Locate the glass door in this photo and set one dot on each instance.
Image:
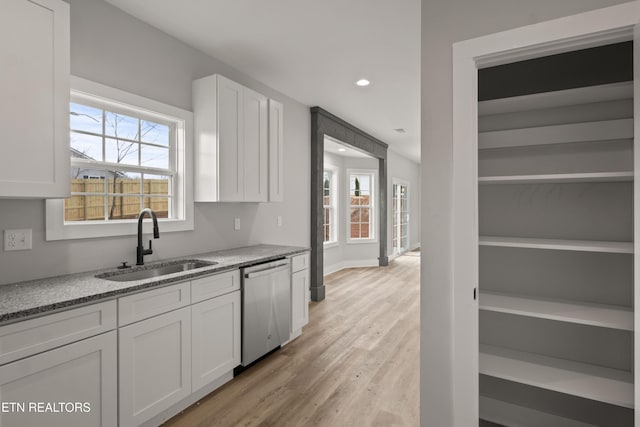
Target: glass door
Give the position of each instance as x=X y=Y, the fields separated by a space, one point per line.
x=400 y=218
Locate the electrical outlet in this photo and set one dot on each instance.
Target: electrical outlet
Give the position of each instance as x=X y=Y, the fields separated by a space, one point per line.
x=236 y=224
x=279 y=220
x=17 y=240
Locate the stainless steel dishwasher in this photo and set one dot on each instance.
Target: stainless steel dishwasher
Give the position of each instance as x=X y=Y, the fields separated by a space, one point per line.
x=266 y=308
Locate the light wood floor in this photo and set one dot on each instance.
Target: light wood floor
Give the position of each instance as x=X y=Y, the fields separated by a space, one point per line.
x=356 y=363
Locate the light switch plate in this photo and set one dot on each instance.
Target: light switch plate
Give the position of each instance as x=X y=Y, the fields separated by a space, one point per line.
x=236 y=224
x=17 y=240
x=279 y=220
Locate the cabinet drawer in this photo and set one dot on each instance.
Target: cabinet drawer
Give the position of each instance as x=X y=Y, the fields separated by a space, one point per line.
x=212 y=286
x=299 y=262
x=151 y=303
x=33 y=336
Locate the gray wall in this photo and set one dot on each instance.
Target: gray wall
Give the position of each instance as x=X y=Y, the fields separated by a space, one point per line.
x=443 y=23
x=115 y=49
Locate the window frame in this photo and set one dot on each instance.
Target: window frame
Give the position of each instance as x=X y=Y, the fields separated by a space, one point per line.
x=115 y=100
x=373 y=203
x=334 y=204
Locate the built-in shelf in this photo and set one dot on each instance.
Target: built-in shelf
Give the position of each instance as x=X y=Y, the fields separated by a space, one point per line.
x=608 y=130
x=555 y=99
x=509 y=414
x=606 y=316
x=607 y=385
x=556 y=244
x=559 y=178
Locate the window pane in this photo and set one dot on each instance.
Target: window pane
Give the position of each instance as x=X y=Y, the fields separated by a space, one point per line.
x=86 y=173
x=155 y=133
x=85 y=118
x=122 y=206
x=85 y=146
x=355 y=231
x=86 y=182
x=364 y=231
x=124 y=152
x=364 y=214
x=84 y=208
x=156 y=184
x=160 y=205
x=157 y=157
x=355 y=215
x=121 y=126
x=124 y=183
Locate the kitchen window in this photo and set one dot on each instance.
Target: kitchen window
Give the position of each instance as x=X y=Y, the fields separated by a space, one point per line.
x=361 y=212
x=127 y=153
x=329 y=205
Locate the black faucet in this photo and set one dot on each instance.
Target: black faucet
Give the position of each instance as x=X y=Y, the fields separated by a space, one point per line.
x=141 y=251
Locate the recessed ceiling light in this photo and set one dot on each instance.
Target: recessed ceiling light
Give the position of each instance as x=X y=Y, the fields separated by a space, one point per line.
x=363 y=82
x=400 y=130
x=342 y=149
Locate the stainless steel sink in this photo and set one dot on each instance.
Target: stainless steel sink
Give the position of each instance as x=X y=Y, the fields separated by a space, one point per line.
x=154 y=270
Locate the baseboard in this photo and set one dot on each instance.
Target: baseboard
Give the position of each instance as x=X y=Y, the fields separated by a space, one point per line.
x=349 y=264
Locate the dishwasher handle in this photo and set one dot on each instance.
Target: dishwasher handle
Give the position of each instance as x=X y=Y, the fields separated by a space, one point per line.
x=264 y=272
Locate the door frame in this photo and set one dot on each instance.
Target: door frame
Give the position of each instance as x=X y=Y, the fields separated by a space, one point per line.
x=324 y=123
x=581 y=31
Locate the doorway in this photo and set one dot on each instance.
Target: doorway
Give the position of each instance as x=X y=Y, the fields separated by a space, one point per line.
x=325 y=124
x=476 y=185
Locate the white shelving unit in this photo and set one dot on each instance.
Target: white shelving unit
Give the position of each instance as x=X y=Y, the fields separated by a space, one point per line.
x=508 y=414
x=523 y=141
x=558 y=245
x=606 y=130
x=556 y=99
x=602 y=315
x=593 y=382
x=559 y=178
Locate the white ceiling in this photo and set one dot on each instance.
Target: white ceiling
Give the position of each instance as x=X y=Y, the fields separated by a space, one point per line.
x=313 y=51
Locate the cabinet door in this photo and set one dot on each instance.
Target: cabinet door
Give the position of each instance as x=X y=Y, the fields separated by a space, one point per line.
x=216 y=338
x=299 y=299
x=276 y=151
x=256 y=147
x=82 y=375
x=155 y=365
x=230 y=140
x=34 y=99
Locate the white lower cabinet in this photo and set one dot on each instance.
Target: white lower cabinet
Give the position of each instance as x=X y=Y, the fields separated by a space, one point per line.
x=299 y=299
x=216 y=338
x=299 y=293
x=72 y=385
x=155 y=365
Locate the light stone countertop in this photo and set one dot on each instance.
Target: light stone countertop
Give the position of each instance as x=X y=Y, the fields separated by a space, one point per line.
x=25 y=299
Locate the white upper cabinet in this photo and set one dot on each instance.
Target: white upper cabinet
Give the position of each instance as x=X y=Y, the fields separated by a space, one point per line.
x=231 y=137
x=34 y=99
